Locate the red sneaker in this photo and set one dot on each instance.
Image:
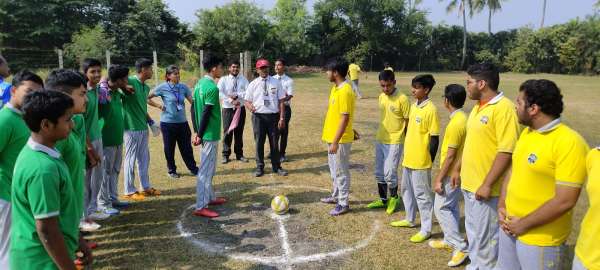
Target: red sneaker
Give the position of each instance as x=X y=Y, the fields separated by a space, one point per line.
x=218 y=201
x=205 y=212
x=78 y=262
x=92 y=244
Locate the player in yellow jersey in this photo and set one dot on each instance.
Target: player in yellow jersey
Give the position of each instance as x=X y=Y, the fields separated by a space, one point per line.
x=447 y=183
x=587 y=253
x=548 y=170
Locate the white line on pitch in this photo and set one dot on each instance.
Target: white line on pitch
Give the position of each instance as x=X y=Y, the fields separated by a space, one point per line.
x=285 y=243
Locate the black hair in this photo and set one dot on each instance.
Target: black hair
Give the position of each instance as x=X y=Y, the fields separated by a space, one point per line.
x=339 y=65
x=456 y=95
x=280 y=60
x=235 y=62
x=65 y=80
x=40 y=105
x=142 y=63
x=210 y=61
x=387 y=75
x=170 y=70
x=116 y=72
x=88 y=63
x=545 y=94
x=425 y=80
x=26 y=75
x=386 y=64
x=486 y=72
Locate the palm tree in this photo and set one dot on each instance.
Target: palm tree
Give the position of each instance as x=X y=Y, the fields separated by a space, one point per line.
x=493 y=7
x=543 y=14
x=462 y=6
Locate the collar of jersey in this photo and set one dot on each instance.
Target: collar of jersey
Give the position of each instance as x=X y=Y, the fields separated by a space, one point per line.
x=422 y=103
x=12 y=108
x=454 y=113
x=550 y=126
x=42 y=148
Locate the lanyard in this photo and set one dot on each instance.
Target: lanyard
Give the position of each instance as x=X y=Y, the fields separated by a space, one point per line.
x=175 y=92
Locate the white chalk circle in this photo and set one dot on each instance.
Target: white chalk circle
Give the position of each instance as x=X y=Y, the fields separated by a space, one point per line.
x=285 y=260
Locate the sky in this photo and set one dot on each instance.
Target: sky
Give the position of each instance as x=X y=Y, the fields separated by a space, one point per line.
x=514 y=13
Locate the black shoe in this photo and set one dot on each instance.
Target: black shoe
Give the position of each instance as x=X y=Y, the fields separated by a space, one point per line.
x=283 y=159
x=194 y=172
x=281 y=172
x=259 y=172
x=243 y=159
x=174 y=175
x=225 y=160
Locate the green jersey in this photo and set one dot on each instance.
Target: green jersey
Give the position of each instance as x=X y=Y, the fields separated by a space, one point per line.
x=73 y=153
x=206 y=92
x=91 y=115
x=112 y=115
x=13 y=137
x=135 y=106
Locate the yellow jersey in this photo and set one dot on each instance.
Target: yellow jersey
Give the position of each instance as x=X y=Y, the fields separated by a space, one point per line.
x=454 y=136
x=491 y=129
x=423 y=122
x=341 y=101
x=393 y=114
x=587 y=243
x=544 y=158
x=353 y=70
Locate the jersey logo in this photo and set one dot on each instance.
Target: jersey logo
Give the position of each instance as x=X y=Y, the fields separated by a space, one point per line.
x=418 y=119
x=484 y=120
x=532 y=158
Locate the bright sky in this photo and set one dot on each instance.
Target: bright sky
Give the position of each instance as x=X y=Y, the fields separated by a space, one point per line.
x=514 y=13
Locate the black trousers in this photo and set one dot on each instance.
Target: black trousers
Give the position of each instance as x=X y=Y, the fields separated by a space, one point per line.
x=237 y=135
x=265 y=125
x=180 y=134
x=283 y=140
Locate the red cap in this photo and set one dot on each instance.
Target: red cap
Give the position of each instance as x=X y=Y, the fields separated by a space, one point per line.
x=262 y=63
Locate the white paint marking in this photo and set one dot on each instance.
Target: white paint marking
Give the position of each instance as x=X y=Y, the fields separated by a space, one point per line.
x=285 y=243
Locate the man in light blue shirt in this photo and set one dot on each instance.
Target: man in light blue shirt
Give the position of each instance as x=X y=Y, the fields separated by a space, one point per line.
x=173 y=121
x=4 y=86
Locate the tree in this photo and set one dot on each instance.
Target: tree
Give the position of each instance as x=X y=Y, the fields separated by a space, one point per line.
x=291 y=23
x=462 y=6
x=493 y=7
x=232 y=28
x=89 y=43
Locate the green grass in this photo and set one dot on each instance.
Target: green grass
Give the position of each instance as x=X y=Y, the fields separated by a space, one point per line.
x=145 y=235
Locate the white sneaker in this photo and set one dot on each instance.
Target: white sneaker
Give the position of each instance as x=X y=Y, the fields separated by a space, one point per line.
x=111 y=211
x=98 y=215
x=88 y=226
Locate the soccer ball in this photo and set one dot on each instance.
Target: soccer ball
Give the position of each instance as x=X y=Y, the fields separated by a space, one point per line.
x=280 y=204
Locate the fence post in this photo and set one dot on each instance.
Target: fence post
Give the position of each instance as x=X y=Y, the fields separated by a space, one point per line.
x=107 y=59
x=155 y=58
x=248 y=63
x=242 y=64
x=60 y=59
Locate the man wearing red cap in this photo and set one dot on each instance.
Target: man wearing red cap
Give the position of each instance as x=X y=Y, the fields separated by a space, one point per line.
x=265 y=99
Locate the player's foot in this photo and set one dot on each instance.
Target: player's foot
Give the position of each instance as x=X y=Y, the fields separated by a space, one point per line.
x=439 y=244
x=205 y=212
x=151 y=192
x=420 y=237
x=194 y=172
x=339 y=210
x=283 y=159
x=98 y=215
x=136 y=196
x=243 y=159
x=259 y=172
x=391 y=205
x=218 y=201
x=88 y=226
x=402 y=223
x=120 y=204
x=111 y=211
x=281 y=172
x=376 y=204
x=174 y=175
x=225 y=160
x=458 y=257
x=329 y=200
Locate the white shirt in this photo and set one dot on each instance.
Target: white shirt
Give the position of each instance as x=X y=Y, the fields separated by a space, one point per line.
x=265 y=100
x=231 y=86
x=288 y=85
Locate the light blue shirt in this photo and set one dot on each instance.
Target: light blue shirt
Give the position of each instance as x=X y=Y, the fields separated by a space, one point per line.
x=4 y=92
x=173 y=97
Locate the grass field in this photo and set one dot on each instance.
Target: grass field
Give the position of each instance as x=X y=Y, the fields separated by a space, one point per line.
x=146 y=235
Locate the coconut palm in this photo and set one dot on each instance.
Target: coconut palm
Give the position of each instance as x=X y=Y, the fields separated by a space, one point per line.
x=543 y=14
x=493 y=7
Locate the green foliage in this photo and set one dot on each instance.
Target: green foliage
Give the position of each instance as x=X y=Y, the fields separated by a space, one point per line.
x=291 y=23
x=89 y=43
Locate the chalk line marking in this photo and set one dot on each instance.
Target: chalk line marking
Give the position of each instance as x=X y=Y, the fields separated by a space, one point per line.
x=287 y=259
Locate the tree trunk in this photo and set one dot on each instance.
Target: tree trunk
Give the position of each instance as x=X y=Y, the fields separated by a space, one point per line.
x=543 y=15
x=464 y=49
x=490 y=22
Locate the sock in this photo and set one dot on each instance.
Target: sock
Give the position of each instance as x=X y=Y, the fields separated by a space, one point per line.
x=382 y=188
x=394 y=192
